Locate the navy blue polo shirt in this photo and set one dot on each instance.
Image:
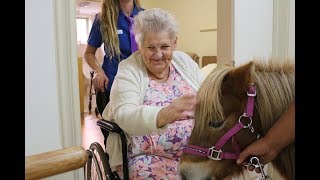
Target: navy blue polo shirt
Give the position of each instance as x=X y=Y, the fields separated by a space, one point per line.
x=110 y=67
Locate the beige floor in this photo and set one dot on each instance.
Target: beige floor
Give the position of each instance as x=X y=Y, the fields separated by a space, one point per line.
x=90 y=130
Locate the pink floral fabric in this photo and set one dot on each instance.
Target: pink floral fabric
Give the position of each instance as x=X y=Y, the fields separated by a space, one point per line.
x=156 y=156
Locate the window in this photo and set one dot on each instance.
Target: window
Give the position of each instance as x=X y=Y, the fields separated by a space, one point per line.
x=82 y=30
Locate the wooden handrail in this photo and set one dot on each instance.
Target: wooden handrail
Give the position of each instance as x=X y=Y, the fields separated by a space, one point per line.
x=55 y=162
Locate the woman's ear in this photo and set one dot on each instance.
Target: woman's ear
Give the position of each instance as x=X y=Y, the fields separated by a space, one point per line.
x=175 y=43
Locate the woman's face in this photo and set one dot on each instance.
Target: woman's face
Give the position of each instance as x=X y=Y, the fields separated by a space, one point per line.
x=157 y=50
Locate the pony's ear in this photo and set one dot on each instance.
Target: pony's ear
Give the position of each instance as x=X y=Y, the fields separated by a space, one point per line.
x=241 y=77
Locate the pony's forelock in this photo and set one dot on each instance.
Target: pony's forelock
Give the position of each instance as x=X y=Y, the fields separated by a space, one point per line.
x=209 y=107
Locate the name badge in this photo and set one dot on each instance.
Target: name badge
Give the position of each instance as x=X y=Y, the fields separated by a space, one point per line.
x=119 y=31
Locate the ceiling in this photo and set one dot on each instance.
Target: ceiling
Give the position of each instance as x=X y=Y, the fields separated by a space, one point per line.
x=88 y=7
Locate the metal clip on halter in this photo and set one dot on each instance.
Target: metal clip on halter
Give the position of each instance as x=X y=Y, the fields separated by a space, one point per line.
x=256 y=163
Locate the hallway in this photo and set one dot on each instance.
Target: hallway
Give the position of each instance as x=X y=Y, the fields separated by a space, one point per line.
x=90 y=130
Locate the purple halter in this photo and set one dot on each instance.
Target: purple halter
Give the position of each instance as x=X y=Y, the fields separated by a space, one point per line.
x=215 y=152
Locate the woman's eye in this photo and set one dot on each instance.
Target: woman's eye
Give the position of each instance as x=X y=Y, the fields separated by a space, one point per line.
x=165 y=47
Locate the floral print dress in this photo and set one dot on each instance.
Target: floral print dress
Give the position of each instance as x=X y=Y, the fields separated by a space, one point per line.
x=156 y=156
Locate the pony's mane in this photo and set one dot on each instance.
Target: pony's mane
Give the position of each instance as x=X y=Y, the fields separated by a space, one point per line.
x=275 y=84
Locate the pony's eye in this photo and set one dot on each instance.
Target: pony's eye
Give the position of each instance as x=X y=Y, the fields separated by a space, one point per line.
x=216 y=124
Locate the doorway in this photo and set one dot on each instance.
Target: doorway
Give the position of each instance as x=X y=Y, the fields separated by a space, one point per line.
x=86 y=11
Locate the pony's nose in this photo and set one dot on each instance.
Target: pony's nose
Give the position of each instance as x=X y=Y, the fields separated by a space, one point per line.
x=183 y=177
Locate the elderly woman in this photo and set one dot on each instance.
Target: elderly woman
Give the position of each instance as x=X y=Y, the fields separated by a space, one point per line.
x=153 y=98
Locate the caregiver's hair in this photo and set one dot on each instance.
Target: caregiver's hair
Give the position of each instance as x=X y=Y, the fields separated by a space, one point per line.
x=154 y=20
x=109 y=19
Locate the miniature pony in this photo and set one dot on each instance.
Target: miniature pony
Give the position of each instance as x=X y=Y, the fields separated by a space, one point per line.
x=223 y=101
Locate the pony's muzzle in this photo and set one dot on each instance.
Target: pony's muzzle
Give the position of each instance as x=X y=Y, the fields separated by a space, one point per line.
x=183 y=177
x=197 y=171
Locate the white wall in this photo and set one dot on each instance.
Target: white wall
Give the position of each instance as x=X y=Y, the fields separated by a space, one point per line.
x=52 y=108
x=284 y=29
x=292 y=33
x=42 y=128
x=252 y=30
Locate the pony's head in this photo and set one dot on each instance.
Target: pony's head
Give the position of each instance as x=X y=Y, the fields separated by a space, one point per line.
x=235 y=106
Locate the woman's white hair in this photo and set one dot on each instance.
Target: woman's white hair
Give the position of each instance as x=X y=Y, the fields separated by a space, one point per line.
x=154 y=20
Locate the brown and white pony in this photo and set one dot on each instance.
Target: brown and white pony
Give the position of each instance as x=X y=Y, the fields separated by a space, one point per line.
x=222 y=103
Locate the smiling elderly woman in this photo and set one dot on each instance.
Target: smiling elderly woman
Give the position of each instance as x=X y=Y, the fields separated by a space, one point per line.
x=153 y=98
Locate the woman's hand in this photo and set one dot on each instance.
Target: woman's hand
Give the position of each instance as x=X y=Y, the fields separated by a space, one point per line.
x=264 y=150
x=181 y=108
x=100 y=80
x=261 y=149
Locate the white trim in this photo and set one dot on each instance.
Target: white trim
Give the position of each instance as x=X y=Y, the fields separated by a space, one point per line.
x=225 y=31
x=67 y=75
x=291 y=48
x=281 y=29
x=275 y=28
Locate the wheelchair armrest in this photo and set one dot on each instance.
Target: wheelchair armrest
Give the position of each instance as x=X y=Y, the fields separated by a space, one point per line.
x=109 y=126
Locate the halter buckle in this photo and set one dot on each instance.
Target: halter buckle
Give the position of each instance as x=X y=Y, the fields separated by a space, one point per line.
x=251 y=92
x=212 y=151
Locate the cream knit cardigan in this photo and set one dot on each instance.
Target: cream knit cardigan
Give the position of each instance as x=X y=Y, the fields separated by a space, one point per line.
x=127 y=94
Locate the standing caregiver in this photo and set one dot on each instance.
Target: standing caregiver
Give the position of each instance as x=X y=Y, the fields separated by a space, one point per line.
x=113 y=28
